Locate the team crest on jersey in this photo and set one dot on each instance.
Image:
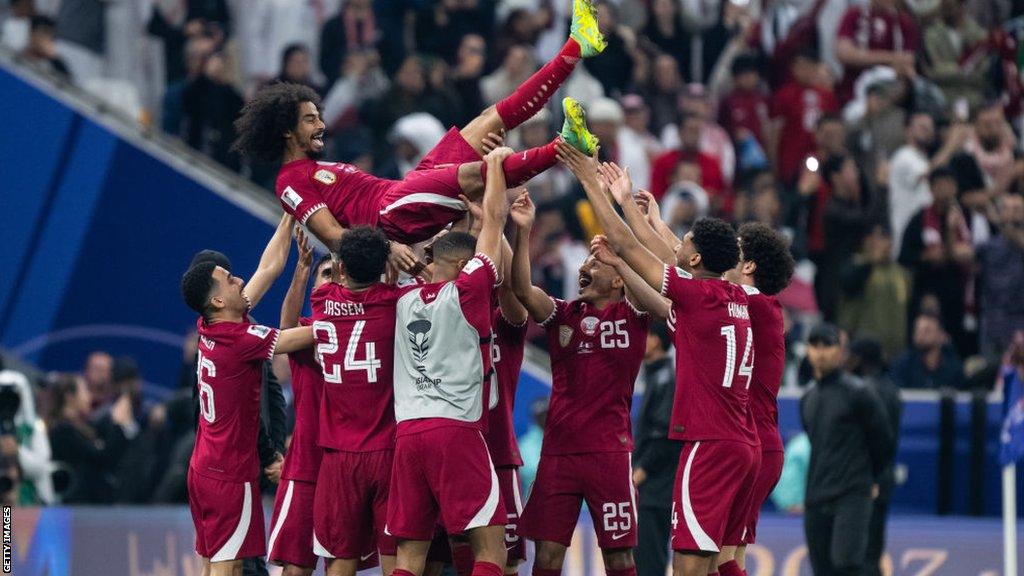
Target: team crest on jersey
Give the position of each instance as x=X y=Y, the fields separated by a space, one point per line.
x=257 y=330
x=589 y=325
x=564 y=335
x=291 y=197
x=325 y=177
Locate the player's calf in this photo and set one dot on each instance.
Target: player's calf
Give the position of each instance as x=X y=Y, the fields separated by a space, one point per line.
x=489 y=551
x=691 y=563
x=548 y=559
x=225 y=568
x=293 y=570
x=618 y=562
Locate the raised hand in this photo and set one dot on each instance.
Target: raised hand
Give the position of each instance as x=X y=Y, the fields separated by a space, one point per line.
x=493 y=141
x=523 y=212
x=602 y=251
x=617 y=180
x=498 y=154
x=403 y=258
x=581 y=165
x=305 y=251
x=649 y=206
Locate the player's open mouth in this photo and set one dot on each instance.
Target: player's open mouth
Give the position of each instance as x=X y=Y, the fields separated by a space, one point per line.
x=318 y=139
x=585 y=280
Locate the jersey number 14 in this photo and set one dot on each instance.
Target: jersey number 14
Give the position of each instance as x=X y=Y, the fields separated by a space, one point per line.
x=746 y=365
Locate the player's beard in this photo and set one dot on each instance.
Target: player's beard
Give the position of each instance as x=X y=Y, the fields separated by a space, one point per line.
x=311 y=153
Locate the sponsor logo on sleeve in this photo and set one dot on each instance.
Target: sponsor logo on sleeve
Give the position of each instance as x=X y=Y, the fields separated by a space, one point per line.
x=259 y=331
x=291 y=197
x=683 y=273
x=325 y=176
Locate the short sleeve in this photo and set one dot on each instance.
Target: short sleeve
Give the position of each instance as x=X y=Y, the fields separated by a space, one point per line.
x=678 y=285
x=257 y=343
x=506 y=331
x=301 y=200
x=558 y=312
x=475 y=286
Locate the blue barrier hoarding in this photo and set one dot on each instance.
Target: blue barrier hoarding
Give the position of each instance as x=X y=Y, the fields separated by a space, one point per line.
x=159 y=542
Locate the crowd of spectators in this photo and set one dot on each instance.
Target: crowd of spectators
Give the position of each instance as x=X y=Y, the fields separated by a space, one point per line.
x=881 y=136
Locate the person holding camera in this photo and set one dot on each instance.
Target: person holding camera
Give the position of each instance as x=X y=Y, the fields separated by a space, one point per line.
x=91 y=457
x=24 y=446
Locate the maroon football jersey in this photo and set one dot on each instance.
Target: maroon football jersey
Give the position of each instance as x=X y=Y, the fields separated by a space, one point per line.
x=770 y=344
x=352 y=196
x=507 y=357
x=230 y=371
x=355 y=341
x=595 y=358
x=303 y=459
x=799 y=108
x=714 y=358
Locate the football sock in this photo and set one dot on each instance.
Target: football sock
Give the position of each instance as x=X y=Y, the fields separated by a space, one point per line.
x=730 y=568
x=533 y=94
x=546 y=571
x=401 y=572
x=462 y=558
x=487 y=569
x=522 y=166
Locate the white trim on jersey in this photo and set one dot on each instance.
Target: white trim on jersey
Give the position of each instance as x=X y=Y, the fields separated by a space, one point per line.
x=283 y=514
x=699 y=535
x=425 y=198
x=319 y=549
x=311 y=211
x=484 y=515
x=516 y=492
x=632 y=491
x=230 y=549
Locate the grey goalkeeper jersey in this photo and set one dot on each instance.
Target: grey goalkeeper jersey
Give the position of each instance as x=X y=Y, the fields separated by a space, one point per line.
x=442 y=348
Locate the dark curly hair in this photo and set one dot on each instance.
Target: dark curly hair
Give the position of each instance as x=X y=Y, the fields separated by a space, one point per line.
x=364 y=252
x=715 y=240
x=264 y=120
x=768 y=249
x=196 y=285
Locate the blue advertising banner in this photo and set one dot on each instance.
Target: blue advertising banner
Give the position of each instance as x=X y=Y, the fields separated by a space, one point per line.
x=159 y=542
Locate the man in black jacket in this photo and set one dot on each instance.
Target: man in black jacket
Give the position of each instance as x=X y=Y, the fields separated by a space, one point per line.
x=866 y=361
x=654 y=455
x=850 y=447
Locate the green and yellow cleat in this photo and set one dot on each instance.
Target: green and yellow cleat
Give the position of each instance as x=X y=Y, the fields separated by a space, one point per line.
x=574 y=130
x=584 y=28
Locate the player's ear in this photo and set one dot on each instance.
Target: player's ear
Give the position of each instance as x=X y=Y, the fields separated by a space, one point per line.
x=618 y=283
x=695 y=261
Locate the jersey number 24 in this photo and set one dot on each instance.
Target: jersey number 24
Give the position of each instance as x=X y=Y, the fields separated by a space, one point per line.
x=332 y=372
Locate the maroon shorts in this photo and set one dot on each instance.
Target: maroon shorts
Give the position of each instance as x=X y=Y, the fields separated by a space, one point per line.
x=431 y=480
x=228 y=517
x=564 y=481
x=352 y=486
x=291 y=532
x=512 y=496
x=711 y=494
x=427 y=199
x=768 y=474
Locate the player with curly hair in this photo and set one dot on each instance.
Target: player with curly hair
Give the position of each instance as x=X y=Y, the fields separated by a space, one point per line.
x=283 y=124
x=710 y=320
x=764 y=270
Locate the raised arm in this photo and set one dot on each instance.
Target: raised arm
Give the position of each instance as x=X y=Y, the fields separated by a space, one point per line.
x=495 y=206
x=511 y=308
x=294 y=339
x=638 y=292
x=538 y=304
x=647 y=265
x=275 y=256
x=291 y=308
x=648 y=205
x=621 y=185
x=328 y=230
